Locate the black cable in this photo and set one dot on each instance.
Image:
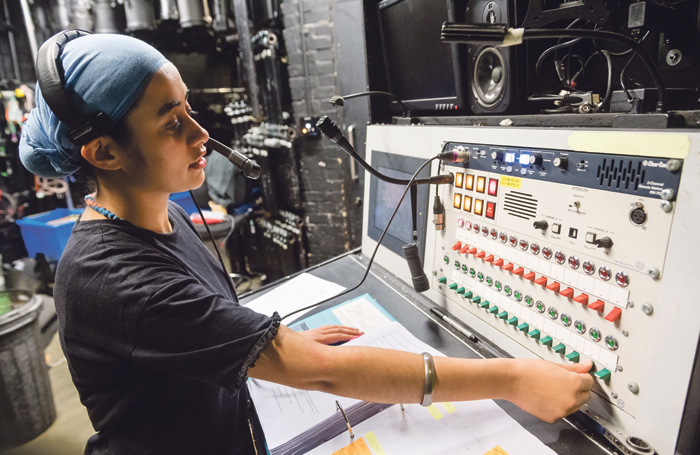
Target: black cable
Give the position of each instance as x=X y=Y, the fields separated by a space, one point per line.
x=608 y=92
x=379 y=242
x=543 y=55
x=630 y=97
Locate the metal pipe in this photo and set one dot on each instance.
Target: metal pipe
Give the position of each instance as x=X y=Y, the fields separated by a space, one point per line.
x=11 y=38
x=29 y=24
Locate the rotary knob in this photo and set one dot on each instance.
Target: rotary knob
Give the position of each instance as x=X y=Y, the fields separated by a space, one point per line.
x=497 y=156
x=605 y=242
x=543 y=225
x=536 y=160
x=561 y=162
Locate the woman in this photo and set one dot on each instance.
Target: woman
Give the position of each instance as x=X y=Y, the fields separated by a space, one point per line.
x=157 y=345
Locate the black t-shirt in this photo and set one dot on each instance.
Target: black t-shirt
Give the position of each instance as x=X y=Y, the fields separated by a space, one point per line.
x=156 y=341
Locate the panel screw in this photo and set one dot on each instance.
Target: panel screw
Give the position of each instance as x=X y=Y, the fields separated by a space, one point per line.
x=630 y=304
x=647 y=308
x=619 y=368
x=666 y=206
x=626 y=332
x=667 y=194
x=434 y=272
x=673 y=165
x=633 y=387
x=614 y=395
x=653 y=272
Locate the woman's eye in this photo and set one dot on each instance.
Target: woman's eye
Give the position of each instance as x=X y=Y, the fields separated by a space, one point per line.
x=174 y=126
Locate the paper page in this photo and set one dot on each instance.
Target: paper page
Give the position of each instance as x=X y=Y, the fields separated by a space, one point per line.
x=299 y=292
x=469 y=428
x=393 y=335
x=362 y=312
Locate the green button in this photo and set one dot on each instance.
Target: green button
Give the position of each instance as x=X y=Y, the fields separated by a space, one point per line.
x=547 y=341
x=461 y=291
x=560 y=348
x=493 y=310
x=453 y=286
x=498 y=285
x=489 y=281
x=457 y=265
x=476 y=299
x=512 y=321
x=603 y=374
x=573 y=356
x=524 y=327
x=464 y=268
x=507 y=290
x=468 y=295
x=442 y=280
x=534 y=334
x=502 y=315
x=484 y=304
x=472 y=272
x=446 y=259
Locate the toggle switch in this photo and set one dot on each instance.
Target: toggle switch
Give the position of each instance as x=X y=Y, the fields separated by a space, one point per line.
x=568 y=293
x=582 y=299
x=508 y=267
x=534 y=334
x=598 y=305
x=456 y=246
x=614 y=315
x=560 y=348
x=519 y=271
x=603 y=375
x=498 y=262
x=480 y=255
x=472 y=251
x=464 y=249
x=547 y=341
x=573 y=356
x=512 y=321
x=542 y=281
x=524 y=327
x=489 y=258
x=529 y=276
x=502 y=315
x=554 y=287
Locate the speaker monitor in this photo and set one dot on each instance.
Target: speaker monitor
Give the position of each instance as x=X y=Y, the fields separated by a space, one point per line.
x=493 y=84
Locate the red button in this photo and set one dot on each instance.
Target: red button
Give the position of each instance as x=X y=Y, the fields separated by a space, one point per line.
x=508 y=267
x=472 y=251
x=542 y=281
x=568 y=293
x=490 y=210
x=489 y=258
x=554 y=287
x=614 y=315
x=529 y=276
x=498 y=262
x=456 y=246
x=598 y=305
x=464 y=249
x=519 y=271
x=493 y=187
x=582 y=299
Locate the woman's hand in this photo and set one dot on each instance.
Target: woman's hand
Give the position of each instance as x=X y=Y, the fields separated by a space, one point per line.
x=329 y=334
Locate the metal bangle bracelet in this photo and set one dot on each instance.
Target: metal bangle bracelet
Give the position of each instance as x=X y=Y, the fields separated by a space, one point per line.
x=430 y=379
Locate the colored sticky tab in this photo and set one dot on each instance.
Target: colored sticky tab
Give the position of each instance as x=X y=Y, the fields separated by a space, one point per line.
x=560 y=348
x=502 y=315
x=512 y=321
x=496 y=450
x=442 y=280
x=358 y=447
x=374 y=444
x=449 y=406
x=547 y=341
x=461 y=291
x=468 y=295
x=476 y=299
x=485 y=304
x=603 y=374
x=493 y=310
x=573 y=356
x=524 y=327
x=435 y=412
x=534 y=334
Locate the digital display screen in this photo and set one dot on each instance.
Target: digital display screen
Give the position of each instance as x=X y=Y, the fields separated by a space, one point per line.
x=525 y=159
x=386 y=199
x=510 y=157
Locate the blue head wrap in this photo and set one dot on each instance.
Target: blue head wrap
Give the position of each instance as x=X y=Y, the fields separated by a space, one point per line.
x=103 y=73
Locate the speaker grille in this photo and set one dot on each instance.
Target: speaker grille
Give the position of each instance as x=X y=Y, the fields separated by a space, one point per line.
x=521 y=205
x=620 y=173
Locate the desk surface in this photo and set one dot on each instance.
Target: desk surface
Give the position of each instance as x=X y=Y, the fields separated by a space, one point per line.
x=412 y=310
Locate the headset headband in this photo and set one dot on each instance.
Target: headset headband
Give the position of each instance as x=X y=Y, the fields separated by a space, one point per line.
x=51 y=79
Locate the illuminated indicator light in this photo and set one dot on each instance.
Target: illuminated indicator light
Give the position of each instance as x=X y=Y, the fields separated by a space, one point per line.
x=453 y=286
x=566 y=319
x=490 y=210
x=573 y=356
x=457 y=246
x=554 y=287
x=508 y=267
x=460 y=222
x=464 y=249
x=509 y=157
x=622 y=279
x=498 y=285
x=472 y=272
x=480 y=255
x=582 y=299
x=503 y=237
x=304 y=130
x=498 y=262
x=573 y=262
x=476 y=299
x=560 y=348
x=519 y=271
x=524 y=159
x=547 y=341
x=535 y=334
x=489 y=281
x=469 y=182
x=467 y=207
x=493 y=310
x=603 y=375
x=598 y=305
x=542 y=281
x=442 y=280
x=568 y=293
x=589 y=268
x=535 y=248
x=489 y=258
x=529 y=301
x=485 y=304
x=494 y=234
x=446 y=259
x=480 y=276
x=457 y=201
x=493 y=187
x=539 y=305
x=502 y=315
x=611 y=343
x=484 y=230
x=560 y=257
x=476 y=227
x=457 y=265
x=553 y=313
x=478 y=206
x=467 y=224
x=480 y=184
x=523 y=245
x=580 y=326
x=614 y=315
x=472 y=251
x=512 y=321
x=604 y=273
x=507 y=290
x=461 y=291
x=529 y=276
x=547 y=252
x=594 y=333
x=513 y=240
x=459 y=180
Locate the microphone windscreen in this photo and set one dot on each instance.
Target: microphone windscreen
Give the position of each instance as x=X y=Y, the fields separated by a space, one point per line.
x=420 y=281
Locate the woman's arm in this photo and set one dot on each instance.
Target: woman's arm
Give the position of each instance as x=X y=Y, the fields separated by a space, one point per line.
x=389 y=376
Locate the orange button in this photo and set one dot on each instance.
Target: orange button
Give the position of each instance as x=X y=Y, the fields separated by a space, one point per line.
x=554 y=287
x=480 y=184
x=469 y=182
x=614 y=315
x=598 y=305
x=480 y=254
x=582 y=299
x=568 y=293
x=529 y=276
x=542 y=281
x=457 y=202
x=508 y=267
x=489 y=258
x=498 y=262
x=478 y=207
x=519 y=271
x=464 y=249
x=459 y=180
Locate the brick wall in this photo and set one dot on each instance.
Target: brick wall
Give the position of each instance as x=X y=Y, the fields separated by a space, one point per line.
x=324 y=167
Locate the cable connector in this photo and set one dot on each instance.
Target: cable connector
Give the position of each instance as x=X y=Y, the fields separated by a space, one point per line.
x=438 y=214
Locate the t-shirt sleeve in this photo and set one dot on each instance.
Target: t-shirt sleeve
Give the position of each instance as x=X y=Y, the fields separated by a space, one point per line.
x=188 y=330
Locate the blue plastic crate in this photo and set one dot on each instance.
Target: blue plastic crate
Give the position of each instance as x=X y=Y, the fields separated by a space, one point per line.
x=185 y=201
x=48 y=232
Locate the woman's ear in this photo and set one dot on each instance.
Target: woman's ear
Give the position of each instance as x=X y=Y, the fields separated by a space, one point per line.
x=102 y=153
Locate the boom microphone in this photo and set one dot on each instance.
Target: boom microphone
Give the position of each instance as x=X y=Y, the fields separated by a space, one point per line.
x=250 y=168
